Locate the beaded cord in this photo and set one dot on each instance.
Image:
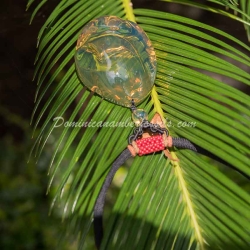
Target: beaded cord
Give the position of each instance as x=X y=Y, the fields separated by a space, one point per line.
x=149 y=137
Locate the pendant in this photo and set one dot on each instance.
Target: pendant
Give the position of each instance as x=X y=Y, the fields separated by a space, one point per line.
x=115 y=59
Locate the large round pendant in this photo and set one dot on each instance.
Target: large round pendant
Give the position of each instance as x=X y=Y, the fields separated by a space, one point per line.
x=115 y=58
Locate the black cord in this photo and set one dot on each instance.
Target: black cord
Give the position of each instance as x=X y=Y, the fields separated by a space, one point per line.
x=99 y=205
x=98 y=209
x=183 y=143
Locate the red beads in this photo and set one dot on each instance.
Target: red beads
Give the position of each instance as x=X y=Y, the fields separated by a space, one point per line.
x=150 y=144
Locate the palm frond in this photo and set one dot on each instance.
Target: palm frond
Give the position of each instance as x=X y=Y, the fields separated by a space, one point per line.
x=245 y=17
x=245 y=6
x=162 y=204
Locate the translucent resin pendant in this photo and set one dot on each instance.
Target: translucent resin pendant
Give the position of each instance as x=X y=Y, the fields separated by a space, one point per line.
x=115 y=59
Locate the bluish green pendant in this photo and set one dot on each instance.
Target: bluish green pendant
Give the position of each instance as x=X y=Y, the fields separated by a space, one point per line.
x=115 y=58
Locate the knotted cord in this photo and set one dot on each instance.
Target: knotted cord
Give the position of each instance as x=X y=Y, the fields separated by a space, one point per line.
x=137 y=145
